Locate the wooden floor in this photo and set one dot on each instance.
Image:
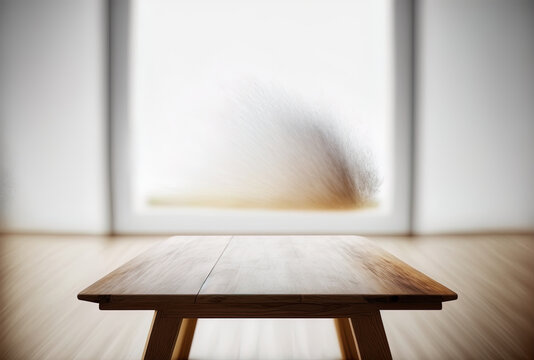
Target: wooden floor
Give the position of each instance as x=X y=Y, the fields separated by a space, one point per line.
x=493 y=318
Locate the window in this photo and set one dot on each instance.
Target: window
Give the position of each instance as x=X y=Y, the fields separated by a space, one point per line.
x=259 y=117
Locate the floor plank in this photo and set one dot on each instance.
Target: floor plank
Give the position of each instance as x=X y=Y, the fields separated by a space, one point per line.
x=40 y=317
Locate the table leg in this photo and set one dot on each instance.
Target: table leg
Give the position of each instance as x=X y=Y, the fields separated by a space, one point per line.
x=185 y=339
x=162 y=338
x=347 y=342
x=370 y=336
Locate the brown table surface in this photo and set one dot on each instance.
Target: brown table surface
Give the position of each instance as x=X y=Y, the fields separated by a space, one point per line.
x=310 y=275
x=344 y=277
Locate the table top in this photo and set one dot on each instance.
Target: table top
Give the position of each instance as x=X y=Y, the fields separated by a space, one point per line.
x=225 y=270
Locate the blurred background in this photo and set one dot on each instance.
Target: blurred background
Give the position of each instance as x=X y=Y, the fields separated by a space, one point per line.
x=108 y=143
x=465 y=157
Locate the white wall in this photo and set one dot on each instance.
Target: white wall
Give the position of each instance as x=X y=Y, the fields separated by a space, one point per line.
x=475 y=112
x=52 y=112
x=475 y=107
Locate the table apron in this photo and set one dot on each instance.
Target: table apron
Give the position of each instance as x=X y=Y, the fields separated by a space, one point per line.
x=278 y=310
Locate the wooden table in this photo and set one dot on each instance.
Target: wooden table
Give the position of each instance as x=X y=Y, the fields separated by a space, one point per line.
x=343 y=277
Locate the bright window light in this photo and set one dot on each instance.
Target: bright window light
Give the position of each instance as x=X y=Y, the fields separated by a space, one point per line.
x=272 y=105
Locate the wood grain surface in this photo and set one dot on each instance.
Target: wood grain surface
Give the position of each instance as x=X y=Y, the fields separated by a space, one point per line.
x=370 y=336
x=40 y=317
x=263 y=309
x=347 y=341
x=315 y=269
x=185 y=339
x=271 y=270
x=162 y=337
x=173 y=271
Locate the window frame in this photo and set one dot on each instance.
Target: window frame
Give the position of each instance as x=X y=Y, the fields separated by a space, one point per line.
x=126 y=221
